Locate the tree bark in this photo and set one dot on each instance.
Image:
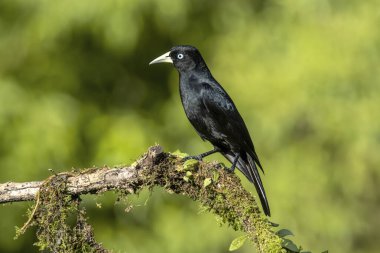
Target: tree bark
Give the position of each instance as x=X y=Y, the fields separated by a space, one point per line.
x=209 y=183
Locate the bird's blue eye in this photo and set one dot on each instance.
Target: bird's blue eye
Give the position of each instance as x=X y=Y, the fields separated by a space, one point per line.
x=179 y=56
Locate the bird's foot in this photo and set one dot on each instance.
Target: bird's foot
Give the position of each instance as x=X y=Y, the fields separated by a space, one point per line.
x=195 y=157
x=233 y=166
x=232 y=169
x=201 y=156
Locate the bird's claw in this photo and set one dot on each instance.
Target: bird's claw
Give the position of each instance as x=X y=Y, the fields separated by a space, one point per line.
x=232 y=169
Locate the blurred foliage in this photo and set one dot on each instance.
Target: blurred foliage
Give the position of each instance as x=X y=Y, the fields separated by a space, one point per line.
x=76 y=90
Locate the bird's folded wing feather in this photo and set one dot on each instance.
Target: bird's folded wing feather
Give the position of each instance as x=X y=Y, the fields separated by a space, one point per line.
x=223 y=110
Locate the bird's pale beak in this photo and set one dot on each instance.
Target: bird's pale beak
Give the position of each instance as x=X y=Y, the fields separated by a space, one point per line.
x=163 y=58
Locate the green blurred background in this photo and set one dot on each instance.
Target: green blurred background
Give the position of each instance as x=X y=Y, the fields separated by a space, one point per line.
x=76 y=90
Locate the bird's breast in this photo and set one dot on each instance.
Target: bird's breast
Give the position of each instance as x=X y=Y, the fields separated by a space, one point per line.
x=198 y=115
x=192 y=104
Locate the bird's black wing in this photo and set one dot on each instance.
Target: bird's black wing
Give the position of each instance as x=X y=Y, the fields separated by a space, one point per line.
x=226 y=122
x=227 y=119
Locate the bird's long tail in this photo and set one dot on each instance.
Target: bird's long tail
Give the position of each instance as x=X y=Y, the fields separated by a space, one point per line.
x=248 y=167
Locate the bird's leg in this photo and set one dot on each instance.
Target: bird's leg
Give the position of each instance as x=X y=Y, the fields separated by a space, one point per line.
x=203 y=155
x=236 y=159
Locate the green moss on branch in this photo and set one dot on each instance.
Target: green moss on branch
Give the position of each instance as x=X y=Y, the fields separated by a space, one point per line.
x=218 y=190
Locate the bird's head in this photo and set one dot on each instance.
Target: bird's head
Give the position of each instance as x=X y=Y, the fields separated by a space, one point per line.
x=184 y=58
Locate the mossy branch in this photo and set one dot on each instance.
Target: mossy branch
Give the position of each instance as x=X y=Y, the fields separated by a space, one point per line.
x=218 y=190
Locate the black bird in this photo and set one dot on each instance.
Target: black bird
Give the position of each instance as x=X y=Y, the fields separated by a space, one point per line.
x=214 y=116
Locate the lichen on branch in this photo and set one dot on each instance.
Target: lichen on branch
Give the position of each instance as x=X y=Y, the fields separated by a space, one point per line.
x=218 y=190
x=50 y=215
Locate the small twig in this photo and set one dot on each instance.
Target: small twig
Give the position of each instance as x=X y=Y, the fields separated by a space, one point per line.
x=27 y=223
